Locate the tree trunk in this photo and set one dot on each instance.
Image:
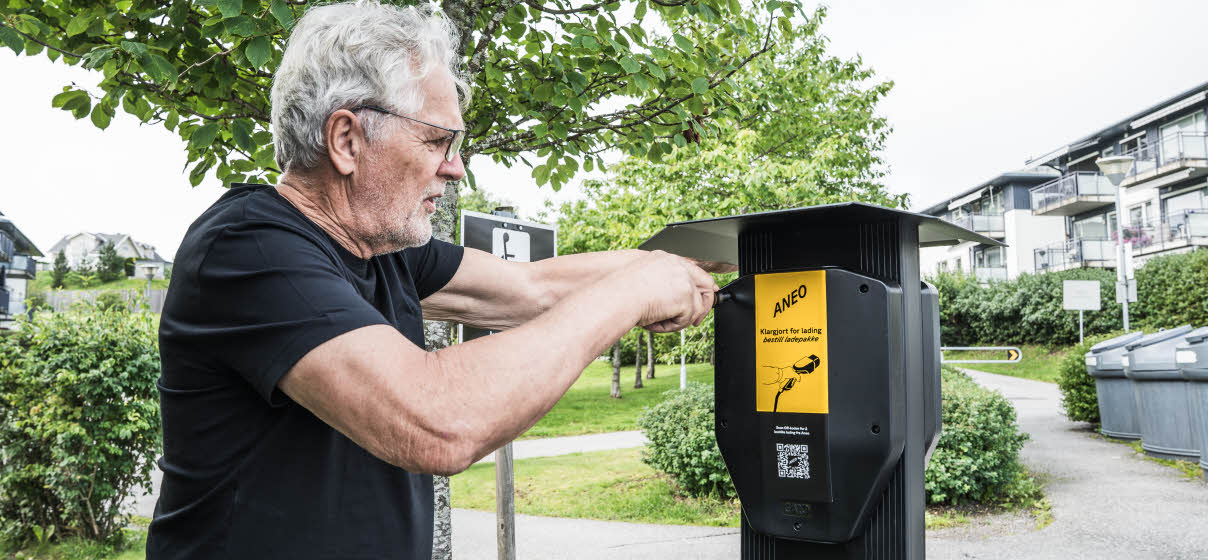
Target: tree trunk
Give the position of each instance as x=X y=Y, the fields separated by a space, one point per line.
x=616 y=370
x=713 y=355
x=438 y=335
x=637 y=362
x=649 y=355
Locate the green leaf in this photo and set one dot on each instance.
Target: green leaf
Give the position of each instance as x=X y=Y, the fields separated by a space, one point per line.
x=700 y=85
x=97 y=57
x=79 y=24
x=683 y=43
x=136 y=49
x=640 y=11
x=172 y=120
x=158 y=68
x=280 y=11
x=541 y=174
x=656 y=70
x=241 y=132
x=203 y=137
x=680 y=140
x=61 y=100
x=230 y=8
x=100 y=117
x=258 y=51
x=241 y=26
x=630 y=65
x=11 y=39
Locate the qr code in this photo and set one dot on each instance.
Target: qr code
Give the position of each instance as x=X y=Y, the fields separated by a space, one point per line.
x=793 y=460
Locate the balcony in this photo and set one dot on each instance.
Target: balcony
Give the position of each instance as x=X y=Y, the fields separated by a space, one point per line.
x=23 y=267
x=1077 y=253
x=1175 y=152
x=1181 y=230
x=990 y=273
x=988 y=224
x=1072 y=193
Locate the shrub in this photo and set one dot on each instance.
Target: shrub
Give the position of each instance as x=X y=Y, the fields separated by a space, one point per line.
x=1078 y=396
x=977 y=456
x=115 y=301
x=79 y=422
x=1172 y=290
x=36 y=301
x=683 y=444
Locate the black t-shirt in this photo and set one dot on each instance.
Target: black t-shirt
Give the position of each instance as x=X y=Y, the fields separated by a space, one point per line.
x=247 y=472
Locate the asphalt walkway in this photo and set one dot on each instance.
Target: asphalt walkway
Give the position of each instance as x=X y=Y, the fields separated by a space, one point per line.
x=1107 y=502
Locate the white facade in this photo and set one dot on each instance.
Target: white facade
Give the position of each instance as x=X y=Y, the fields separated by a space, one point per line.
x=84 y=249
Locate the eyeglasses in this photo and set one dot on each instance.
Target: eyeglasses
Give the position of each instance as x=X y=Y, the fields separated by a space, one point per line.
x=455 y=139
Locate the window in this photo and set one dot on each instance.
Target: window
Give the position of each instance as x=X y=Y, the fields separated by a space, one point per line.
x=958 y=266
x=1184 y=138
x=1176 y=207
x=1141 y=215
x=989 y=257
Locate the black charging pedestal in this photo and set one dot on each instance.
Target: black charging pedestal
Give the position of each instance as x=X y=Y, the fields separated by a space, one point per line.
x=827 y=375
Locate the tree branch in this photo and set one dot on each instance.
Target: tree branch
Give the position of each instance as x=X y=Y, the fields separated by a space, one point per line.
x=554 y=11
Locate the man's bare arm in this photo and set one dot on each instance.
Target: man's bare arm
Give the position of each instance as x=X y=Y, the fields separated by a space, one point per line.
x=492 y=293
x=439 y=412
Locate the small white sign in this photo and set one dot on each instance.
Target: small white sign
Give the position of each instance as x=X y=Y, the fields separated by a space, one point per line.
x=510 y=245
x=1129 y=288
x=1080 y=295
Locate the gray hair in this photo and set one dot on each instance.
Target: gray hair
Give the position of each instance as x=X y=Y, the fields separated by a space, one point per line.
x=343 y=55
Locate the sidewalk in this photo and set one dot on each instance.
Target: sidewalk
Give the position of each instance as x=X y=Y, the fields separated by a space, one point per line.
x=1106 y=501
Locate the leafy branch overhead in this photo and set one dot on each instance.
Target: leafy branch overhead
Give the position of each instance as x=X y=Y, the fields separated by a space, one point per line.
x=556 y=82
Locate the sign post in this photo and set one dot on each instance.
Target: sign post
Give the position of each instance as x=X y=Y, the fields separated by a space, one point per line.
x=508 y=238
x=1082 y=295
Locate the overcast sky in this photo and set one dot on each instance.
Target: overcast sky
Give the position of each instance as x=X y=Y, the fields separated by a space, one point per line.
x=980 y=87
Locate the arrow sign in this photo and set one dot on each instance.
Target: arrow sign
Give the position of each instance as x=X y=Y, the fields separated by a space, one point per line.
x=1014 y=355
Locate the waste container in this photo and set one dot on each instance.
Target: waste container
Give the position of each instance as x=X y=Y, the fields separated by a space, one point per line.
x=1117 y=403
x=1192 y=358
x=1161 y=395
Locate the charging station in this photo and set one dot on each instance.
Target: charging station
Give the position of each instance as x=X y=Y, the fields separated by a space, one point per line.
x=827 y=376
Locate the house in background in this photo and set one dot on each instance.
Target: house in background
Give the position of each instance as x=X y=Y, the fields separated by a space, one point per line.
x=1000 y=209
x=1165 y=196
x=85 y=247
x=17 y=268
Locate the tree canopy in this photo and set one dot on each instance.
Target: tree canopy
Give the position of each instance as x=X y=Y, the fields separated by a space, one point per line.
x=556 y=82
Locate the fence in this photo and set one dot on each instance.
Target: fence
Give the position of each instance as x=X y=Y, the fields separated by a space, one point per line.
x=1069 y=187
x=62 y=300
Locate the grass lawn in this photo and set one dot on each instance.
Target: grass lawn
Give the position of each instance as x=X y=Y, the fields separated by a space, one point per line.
x=1038 y=362
x=75 y=549
x=72 y=282
x=605 y=485
x=587 y=409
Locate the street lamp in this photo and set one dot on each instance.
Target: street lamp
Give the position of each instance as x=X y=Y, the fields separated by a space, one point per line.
x=1115 y=168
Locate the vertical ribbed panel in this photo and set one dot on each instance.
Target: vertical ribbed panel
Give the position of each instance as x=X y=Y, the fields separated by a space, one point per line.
x=886 y=535
x=756 y=546
x=754 y=252
x=880 y=256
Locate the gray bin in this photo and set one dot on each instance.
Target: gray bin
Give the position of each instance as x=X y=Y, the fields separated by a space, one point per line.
x=1161 y=395
x=1117 y=402
x=1192 y=359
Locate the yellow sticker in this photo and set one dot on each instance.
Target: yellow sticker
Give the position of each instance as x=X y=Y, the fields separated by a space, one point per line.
x=790 y=342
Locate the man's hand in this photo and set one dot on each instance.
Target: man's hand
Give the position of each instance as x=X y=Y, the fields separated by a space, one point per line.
x=673 y=291
x=714 y=267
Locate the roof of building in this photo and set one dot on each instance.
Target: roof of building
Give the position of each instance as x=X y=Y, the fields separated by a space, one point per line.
x=1118 y=128
x=1021 y=176
x=145 y=250
x=21 y=242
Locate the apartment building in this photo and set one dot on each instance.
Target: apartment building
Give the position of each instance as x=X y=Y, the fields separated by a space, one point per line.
x=1059 y=213
x=1000 y=209
x=1165 y=196
x=17 y=268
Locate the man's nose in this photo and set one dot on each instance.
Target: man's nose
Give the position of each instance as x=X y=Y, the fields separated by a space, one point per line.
x=452 y=170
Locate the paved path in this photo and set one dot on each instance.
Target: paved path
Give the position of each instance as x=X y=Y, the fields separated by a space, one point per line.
x=1107 y=502
x=549 y=447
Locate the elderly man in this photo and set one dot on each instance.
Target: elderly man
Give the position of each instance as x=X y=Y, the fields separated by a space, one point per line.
x=302 y=417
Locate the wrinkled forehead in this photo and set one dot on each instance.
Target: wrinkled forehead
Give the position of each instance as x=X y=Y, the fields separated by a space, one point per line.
x=440 y=100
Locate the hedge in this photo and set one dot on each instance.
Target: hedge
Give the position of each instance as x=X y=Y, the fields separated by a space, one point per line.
x=79 y=422
x=976 y=458
x=1172 y=290
x=1079 y=399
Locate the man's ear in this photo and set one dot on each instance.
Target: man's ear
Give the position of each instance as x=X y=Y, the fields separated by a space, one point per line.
x=345 y=140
